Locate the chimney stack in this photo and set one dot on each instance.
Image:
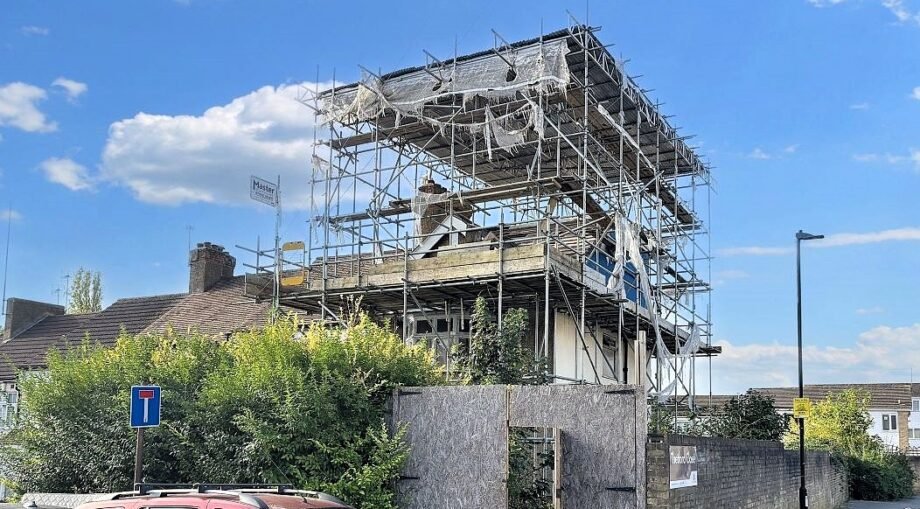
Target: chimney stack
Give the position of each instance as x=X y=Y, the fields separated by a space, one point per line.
x=22 y=313
x=430 y=213
x=208 y=265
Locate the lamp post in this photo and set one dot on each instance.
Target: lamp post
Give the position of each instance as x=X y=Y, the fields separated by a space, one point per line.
x=799 y=237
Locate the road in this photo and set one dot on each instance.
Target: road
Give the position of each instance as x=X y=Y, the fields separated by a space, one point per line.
x=911 y=503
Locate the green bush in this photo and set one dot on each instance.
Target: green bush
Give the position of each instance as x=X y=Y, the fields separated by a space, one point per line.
x=841 y=424
x=875 y=474
x=269 y=405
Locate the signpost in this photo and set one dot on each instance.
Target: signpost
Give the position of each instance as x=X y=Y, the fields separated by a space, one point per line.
x=269 y=193
x=145 y=413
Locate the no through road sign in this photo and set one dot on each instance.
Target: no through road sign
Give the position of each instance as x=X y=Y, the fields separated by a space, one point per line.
x=145 y=406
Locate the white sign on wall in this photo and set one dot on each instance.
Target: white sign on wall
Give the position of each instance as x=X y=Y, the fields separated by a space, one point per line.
x=683 y=466
x=263 y=191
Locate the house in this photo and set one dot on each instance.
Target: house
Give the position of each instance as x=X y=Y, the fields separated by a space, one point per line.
x=536 y=175
x=893 y=407
x=214 y=305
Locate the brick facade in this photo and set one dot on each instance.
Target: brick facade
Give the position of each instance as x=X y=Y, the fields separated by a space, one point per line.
x=741 y=474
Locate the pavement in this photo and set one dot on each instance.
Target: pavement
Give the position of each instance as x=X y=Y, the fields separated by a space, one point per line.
x=907 y=503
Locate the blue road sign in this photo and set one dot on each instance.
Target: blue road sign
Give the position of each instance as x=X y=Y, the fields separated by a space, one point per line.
x=145 y=406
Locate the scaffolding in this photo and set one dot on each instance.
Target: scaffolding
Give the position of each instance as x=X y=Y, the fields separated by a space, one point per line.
x=537 y=174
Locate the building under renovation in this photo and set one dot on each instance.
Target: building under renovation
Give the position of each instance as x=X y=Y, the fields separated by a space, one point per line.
x=536 y=174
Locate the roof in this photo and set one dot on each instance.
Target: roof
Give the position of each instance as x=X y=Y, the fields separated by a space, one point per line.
x=217 y=312
x=133 y=315
x=882 y=396
x=221 y=310
x=558 y=34
x=31 y=345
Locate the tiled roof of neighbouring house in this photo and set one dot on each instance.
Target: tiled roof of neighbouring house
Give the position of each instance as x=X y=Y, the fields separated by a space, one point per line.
x=882 y=396
x=29 y=349
x=221 y=310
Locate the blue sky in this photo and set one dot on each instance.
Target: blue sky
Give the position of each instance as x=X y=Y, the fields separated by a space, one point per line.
x=124 y=122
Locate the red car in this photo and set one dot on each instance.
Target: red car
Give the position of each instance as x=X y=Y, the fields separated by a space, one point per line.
x=217 y=496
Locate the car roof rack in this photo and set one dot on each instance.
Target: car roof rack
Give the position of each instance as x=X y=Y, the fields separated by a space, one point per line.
x=244 y=492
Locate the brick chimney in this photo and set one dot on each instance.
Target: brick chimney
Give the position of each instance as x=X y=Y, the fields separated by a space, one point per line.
x=208 y=265
x=22 y=313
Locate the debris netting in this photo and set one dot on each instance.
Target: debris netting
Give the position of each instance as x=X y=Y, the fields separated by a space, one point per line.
x=628 y=248
x=539 y=68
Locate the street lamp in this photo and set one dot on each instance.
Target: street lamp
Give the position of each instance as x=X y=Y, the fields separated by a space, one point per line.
x=799 y=237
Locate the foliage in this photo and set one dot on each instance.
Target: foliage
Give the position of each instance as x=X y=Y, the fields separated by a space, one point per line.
x=496 y=355
x=270 y=405
x=841 y=425
x=751 y=416
x=86 y=292
x=527 y=487
x=661 y=418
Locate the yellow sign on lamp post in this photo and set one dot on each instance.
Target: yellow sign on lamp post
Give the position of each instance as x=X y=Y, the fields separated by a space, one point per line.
x=801 y=408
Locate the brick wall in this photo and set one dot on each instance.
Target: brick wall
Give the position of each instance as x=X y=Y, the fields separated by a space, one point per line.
x=741 y=474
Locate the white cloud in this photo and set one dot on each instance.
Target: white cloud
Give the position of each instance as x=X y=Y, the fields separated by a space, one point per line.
x=881 y=354
x=34 y=30
x=791 y=149
x=758 y=153
x=901 y=12
x=18 y=108
x=851 y=239
x=896 y=7
x=754 y=251
x=73 y=89
x=866 y=158
x=9 y=214
x=722 y=277
x=67 y=173
x=916 y=93
x=833 y=240
x=912 y=157
x=859 y=106
x=874 y=310
x=208 y=158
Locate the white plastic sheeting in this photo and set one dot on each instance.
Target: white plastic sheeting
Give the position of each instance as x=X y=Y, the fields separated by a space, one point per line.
x=628 y=241
x=539 y=68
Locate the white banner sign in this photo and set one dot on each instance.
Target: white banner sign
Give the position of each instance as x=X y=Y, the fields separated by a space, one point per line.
x=263 y=191
x=683 y=466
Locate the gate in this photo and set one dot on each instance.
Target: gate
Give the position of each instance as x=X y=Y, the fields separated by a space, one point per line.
x=459 y=444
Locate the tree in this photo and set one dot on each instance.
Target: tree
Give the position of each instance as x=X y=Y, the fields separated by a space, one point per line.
x=267 y=405
x=841 y=424
x=86 y=292
x=751 y=416
x=496 y=355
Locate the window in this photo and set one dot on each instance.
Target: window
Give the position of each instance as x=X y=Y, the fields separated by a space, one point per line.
x=611 y=360
x=889 y=422
x=915 y=405
x=913 y=433
x=422 y=327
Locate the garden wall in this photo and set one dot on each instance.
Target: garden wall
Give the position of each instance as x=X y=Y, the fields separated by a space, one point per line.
x=741 y=474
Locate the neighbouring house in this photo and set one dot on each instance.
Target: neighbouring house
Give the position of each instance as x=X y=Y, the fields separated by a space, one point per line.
x=214 y=305
x=893 y=407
